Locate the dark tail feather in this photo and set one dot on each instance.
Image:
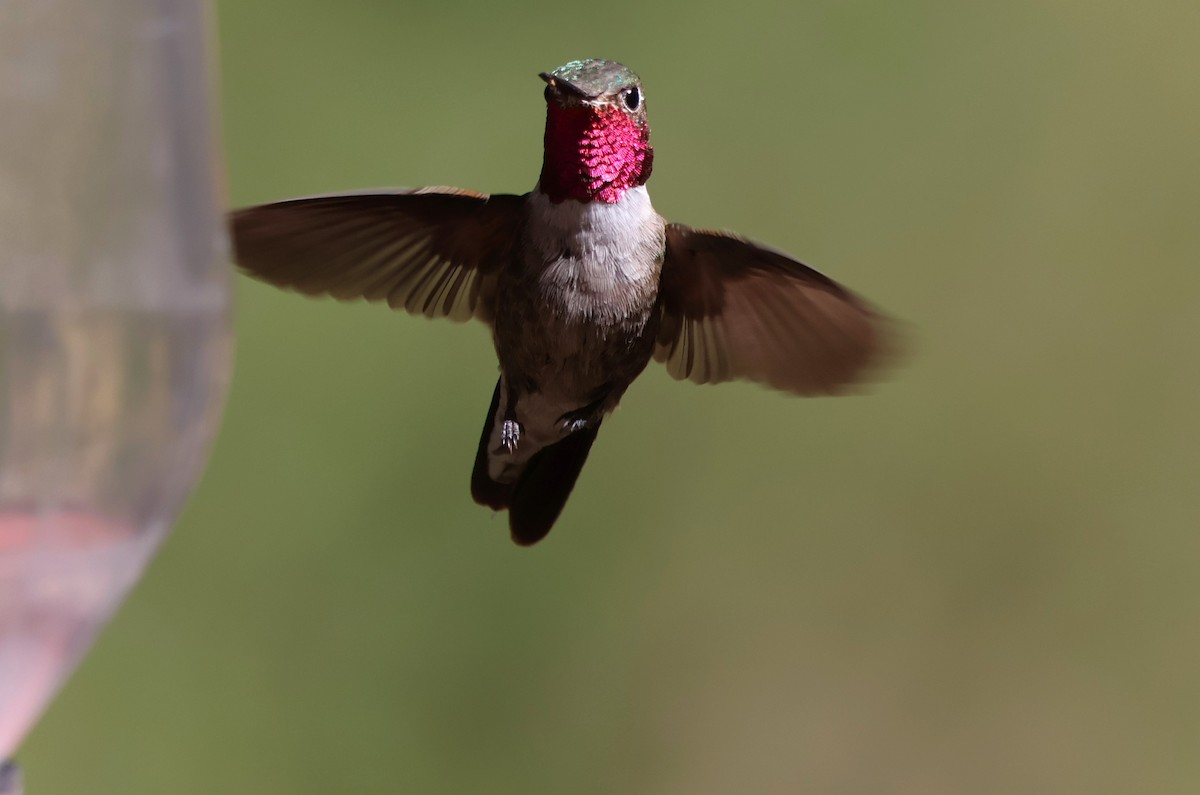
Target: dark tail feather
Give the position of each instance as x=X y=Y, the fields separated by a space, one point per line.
x=539 y=494
x=484 y=490
x=542 y=490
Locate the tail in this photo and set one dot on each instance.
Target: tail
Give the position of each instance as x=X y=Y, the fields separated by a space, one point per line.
x=536 y=498
x=542 y=490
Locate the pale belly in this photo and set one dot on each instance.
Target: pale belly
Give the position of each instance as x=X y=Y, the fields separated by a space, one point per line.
x=559 y=368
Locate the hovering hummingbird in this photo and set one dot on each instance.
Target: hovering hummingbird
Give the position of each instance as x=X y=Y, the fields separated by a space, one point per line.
x=581 y=282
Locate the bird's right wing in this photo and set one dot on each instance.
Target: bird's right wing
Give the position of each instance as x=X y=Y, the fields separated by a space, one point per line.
x=429 y=251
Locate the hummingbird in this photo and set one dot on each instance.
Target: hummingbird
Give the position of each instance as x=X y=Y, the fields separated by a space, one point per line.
x=581 y=282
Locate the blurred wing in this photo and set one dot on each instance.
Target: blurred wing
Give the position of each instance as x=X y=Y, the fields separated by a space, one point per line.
x=734 y=309
x=430 y=251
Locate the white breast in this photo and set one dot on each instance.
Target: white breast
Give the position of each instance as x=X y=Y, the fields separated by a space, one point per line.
x=596 y=249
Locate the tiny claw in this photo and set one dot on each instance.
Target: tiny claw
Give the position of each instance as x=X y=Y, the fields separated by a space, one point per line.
x=573 y=425
x=510 y=435
x=587 y=415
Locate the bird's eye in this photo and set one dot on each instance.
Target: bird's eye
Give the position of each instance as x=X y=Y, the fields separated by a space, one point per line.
x=632 y=97
x=549 y=92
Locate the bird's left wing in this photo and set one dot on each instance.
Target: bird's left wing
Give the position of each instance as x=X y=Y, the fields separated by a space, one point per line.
x=429 y=251
x=733 y=309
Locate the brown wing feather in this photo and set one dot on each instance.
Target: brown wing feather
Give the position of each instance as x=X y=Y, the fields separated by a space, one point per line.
x=430 y=251
x=734 y=309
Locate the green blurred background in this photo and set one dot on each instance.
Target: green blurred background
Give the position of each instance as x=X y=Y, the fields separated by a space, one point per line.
x=982 y=577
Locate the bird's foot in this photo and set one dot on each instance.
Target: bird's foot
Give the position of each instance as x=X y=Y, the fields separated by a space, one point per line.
x=587 y=415
x=510 y=435
x=574 y=421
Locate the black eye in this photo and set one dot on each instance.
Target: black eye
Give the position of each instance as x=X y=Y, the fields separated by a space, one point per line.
x=632 y=97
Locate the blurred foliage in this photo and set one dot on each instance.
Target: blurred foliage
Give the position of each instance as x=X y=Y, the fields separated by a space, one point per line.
x=982 y=577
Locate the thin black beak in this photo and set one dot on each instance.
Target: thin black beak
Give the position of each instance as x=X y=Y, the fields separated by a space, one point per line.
x=561 y=86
